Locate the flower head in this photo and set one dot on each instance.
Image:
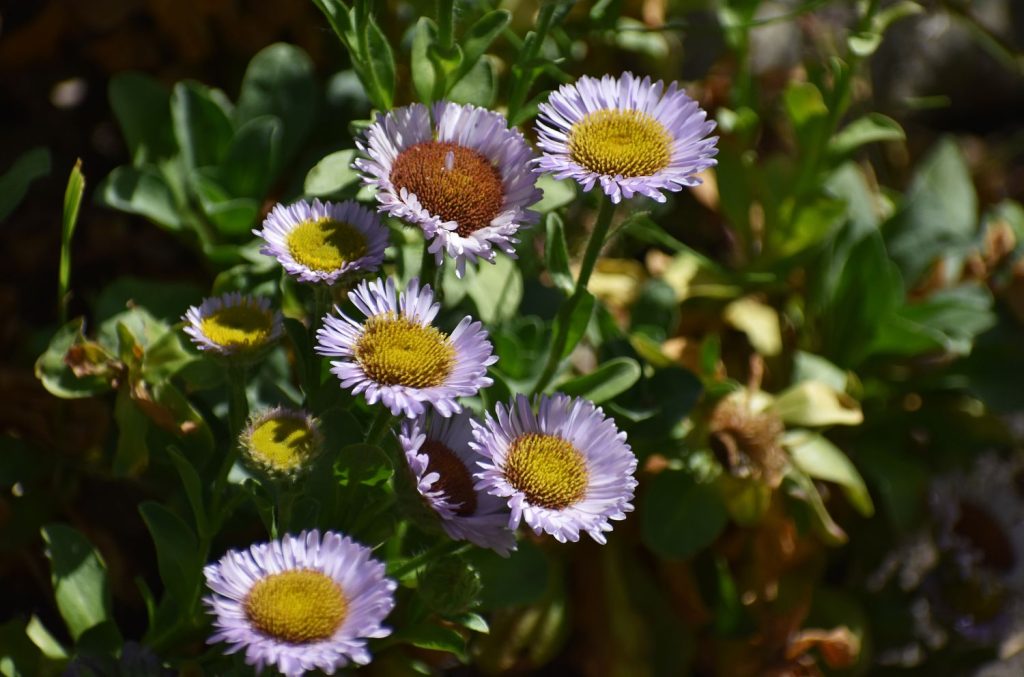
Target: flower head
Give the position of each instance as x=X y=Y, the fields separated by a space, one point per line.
x=282 y=442
x=398 y=357
x=442 y=463
x=301 y=603
x=630 y=135
x=234 y=325
x=456 y=171
x=322 y=241
x=564 y=469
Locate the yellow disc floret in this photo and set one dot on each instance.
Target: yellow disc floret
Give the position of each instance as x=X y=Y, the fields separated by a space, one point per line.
x=451 y=181
x=325 y=245
x=550 y=471
x=394 y=350
x=623 y=143
x=298 y=606
x=282 y=443
x=243 y=327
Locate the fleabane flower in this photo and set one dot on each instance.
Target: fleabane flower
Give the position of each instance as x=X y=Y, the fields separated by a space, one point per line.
x=301 y=603
x=396 y=356
x=442 y=462
x=457 y=172
x=563 y=469
x=629 y=135
x=319 y=242
x=234 y=325
x=281 y=443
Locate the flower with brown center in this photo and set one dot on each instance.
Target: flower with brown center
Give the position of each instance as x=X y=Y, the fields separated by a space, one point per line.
x=442 y=464
x=457 y=172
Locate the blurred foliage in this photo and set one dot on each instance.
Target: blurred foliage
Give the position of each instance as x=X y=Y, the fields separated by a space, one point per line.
x=810 y=352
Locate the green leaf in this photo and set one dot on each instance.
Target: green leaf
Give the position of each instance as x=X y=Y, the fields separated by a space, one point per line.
x=132 y=454
x=141 y=191
x=556 y=193
x=806 y=110
x=800 y=487
x=516 y=580
x=804 y=224
x=44 y=641
x=202 y=126
x=679 y=516
x=948 y=320
x=364 y=464
x=496 y=289
x=29 y=166
x=611 y=378
x=142 y=107
x=478 y=87
x=869 y=289
x=558 y=254
x=433 y=637
x=177 y=552
x=279 y=82
x=821 y=459
x=79 y=578
x=254 y=157
x=478 y=38
x=760 y=322
x=474 y=622
x=578 y=322
x=166 y=357
x=871 y=128
x=939 y=216
x=380 y=64
x=424 y=75
x=72 y=203
x=192 y=484
x=232 y=216
x=55 y=374
x=333 y=174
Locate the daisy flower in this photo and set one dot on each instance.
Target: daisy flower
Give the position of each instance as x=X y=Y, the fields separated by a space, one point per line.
x=322 y=241
x=301 y=603
x=455 y=171
x=442 y=463
x=234 y=325
x=396 y=356
x=282 y=443
x=564 y=469
x=629 y=135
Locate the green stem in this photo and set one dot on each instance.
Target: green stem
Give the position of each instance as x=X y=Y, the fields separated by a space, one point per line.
x=523 y=77
x=446 y=25
x=238 y=403
x=437 y=551
x=590 y=256
x=381 y=424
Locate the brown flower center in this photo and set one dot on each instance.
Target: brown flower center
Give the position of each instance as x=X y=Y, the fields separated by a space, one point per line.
x=451 y=181
x=455 y=482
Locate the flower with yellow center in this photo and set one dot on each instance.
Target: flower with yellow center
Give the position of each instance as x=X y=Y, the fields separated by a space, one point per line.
x=442 y=464
x=320 y=242
x=629 y=135
x=282 y=443
x=301 y=603
x=457 y=172
x=563 y=469
x=234 y=325
x=398 y=357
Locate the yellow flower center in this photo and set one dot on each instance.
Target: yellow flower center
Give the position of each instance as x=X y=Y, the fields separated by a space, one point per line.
x=549 y=470
x=242 y=327
x=394 y=350
x=451 y=181
x=298 y=606
x=326 y=245
x=455 y=481
x=282 y=443
x=623 y=143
